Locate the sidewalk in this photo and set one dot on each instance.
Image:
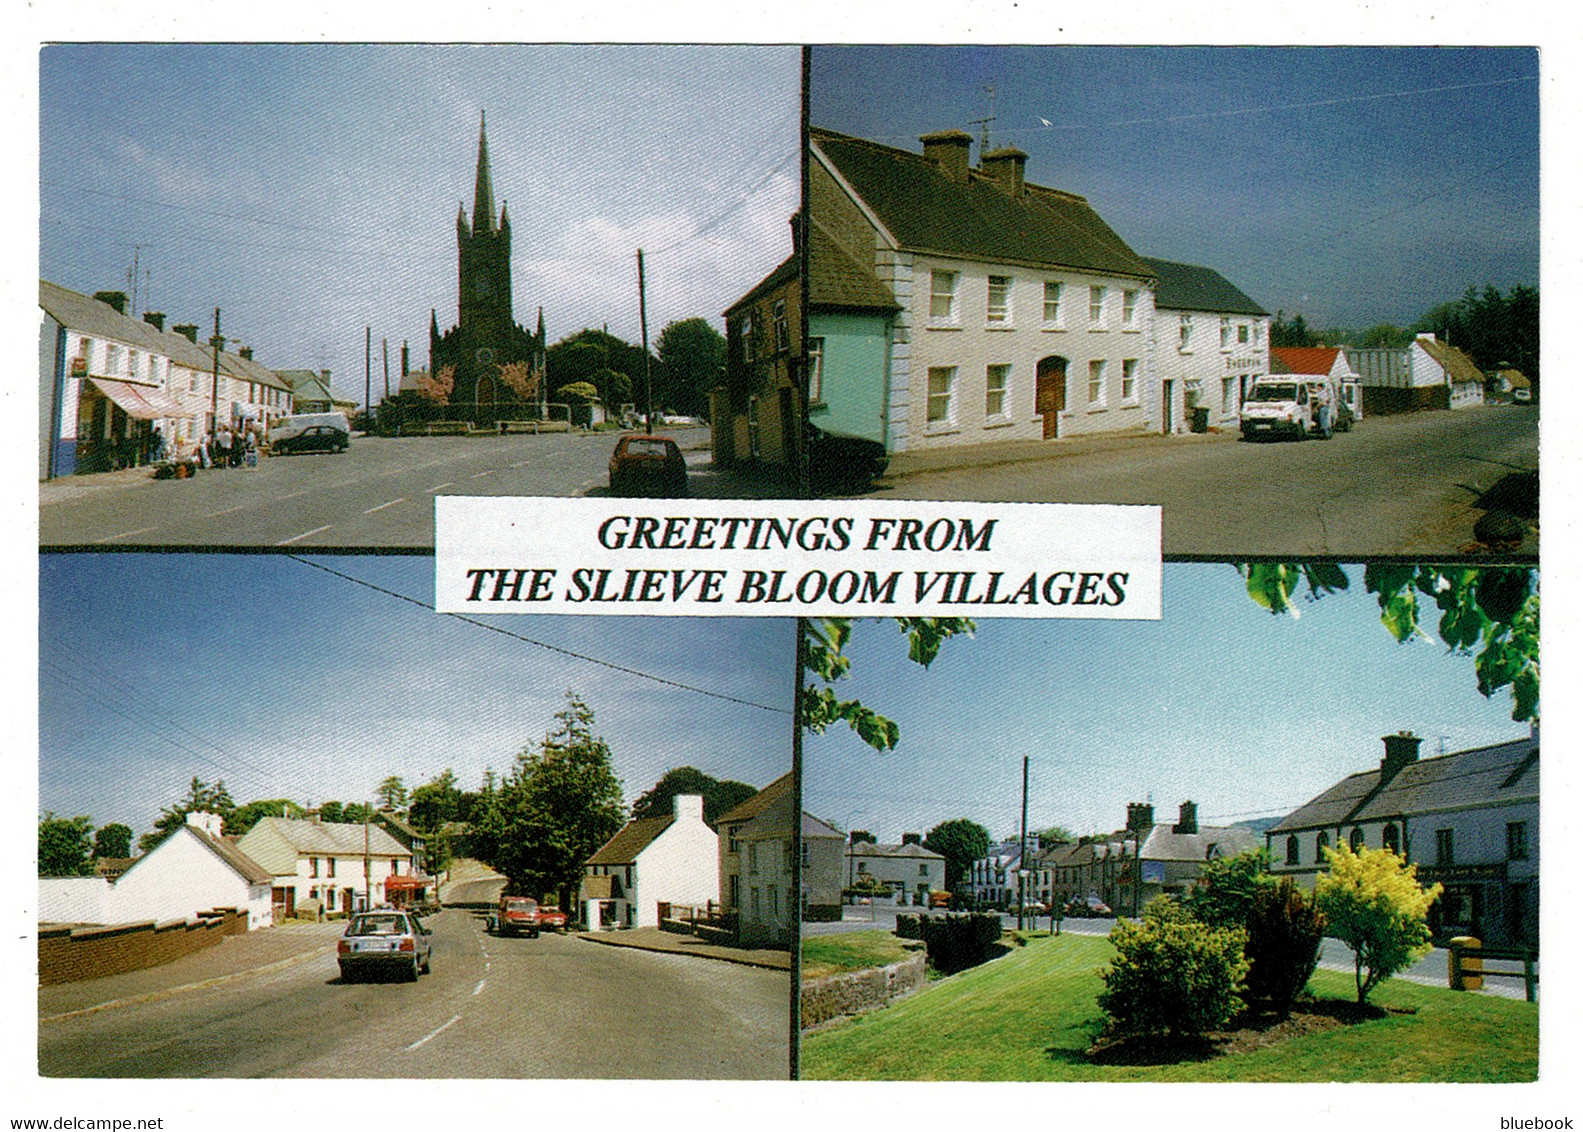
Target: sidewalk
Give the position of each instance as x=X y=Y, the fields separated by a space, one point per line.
x=233 y=957
x=652 y=939
x=925 y=460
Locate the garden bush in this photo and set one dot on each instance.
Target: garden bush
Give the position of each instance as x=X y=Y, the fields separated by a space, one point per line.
x=959 y=940
x=909 y=925
x=1284 y=932
x=1373 y=903
x=1173 y=974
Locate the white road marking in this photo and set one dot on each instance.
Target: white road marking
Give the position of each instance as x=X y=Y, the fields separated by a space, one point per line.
x=434 y=1033
x=478 y=475
x=382 y=506
x=303 y=535
x=479 y=989
x=523 y=463
x=432 y=490
x=129 y=534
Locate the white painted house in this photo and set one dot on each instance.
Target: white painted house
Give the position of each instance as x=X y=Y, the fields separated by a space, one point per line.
x=650 y=862
x=909 y=870
x=1208 y=343
x=1429 y=374
x=1021 y=313
x=193 y=870
x=329 y=865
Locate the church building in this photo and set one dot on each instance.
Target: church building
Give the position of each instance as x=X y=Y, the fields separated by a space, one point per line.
x=486 y=337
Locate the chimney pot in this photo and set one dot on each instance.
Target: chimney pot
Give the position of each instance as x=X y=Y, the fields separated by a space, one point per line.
x=1187 y=821
x=1400 y=749
x=912 y=839
x=948 y=149
x=156 y=319
x=187 y=330
x=116 y=299
x=1005 y=168
x=246 y=352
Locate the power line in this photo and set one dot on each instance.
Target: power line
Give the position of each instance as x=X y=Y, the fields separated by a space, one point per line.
x=563 y=651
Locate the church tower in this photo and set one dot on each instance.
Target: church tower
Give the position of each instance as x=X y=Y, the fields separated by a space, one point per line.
x=486 y=336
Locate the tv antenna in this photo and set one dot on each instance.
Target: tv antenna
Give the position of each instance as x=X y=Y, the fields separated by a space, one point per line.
x=983 y=124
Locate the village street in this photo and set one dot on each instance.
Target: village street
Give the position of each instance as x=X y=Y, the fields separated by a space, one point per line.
x=380 y=492
x=556 y=1006
x=1407 y=484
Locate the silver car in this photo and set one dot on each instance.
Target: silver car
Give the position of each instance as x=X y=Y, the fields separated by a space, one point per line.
x=383 y=941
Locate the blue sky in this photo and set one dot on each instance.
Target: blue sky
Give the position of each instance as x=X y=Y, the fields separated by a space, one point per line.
x=1352 y=185
x=1219 y=703
x=311 y=190
x=286 y=681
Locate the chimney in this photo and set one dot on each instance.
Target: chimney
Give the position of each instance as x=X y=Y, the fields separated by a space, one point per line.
x=1187 y=820
x=116 y=299
x=403 y=363
x=246 y=352
x=156 y=319
x=1140 y=815
x=796 y=227
x=861 y=835
x=187 y=330
x=208 y=823
x=1004 y=167
x=1400 y=749
x=912 y=839
x=948 y=150
x=688 y=807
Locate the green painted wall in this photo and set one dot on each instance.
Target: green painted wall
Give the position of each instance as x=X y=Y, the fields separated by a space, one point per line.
x=856 y=373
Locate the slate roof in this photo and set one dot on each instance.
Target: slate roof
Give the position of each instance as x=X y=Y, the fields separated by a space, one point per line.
x=1303 y=359
x=783 y=274
x=873 y=849
x=1162 y=844
x=598 y=888
x=927 y=211
x=760 y=802
x=813 y=827
x=632 y=839
x=238 y=861
x=839 y=279
x=1187 y=287
x=272 y=840
x=1464 y=778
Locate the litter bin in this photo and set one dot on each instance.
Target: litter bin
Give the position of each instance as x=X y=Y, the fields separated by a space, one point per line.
x=1467 y=965
x=1201 y=419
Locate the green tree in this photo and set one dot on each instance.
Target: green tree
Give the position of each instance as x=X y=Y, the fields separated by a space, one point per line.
x=720 y=796
x=1373 y=903
x=558 y=805
x=824 y=657
x=961 y=841
x=692 y=357
x=615 y=388
x=1492 y=328
x=582 y=356
x=63 y=849
x=112 y=841
x=1172 y=974
x=244 y=818
x=1490 y=613
x=1055 y=835
x=1293 y=332
x=200 y=798
x=355 y=813
x=391 y=792
x=1285 y=930
x=1226 y=888
x=1383 y=335
x=434 y=803
x=332 y=812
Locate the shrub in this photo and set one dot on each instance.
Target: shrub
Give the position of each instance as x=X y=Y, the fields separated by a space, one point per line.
x=959 y=940
x=909 y=925
x=1173 y=974
x=1223 y=895
x=1373 y=903
x=1284 y=932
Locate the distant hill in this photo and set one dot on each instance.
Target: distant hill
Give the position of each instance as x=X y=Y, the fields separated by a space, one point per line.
x=1259 y=825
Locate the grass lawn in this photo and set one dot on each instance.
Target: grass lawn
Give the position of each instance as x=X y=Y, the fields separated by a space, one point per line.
x=1030 y=1016
x=852 y=951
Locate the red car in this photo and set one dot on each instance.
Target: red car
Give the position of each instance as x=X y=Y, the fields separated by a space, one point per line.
x=518 y=914
x=648 y=465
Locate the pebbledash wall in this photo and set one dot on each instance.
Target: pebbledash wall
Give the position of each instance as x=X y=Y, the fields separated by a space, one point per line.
x=67 y=954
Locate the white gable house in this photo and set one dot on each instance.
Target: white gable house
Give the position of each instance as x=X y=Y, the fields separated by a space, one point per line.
x=654 y=862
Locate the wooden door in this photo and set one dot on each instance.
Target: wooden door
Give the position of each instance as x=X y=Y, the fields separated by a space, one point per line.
x=1050 y=394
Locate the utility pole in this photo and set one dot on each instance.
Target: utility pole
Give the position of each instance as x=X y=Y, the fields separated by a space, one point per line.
x=367 y=879
x=214 y=397
x=368 y=368
x=384 y=346
x=643 y=319
x=1022 y=851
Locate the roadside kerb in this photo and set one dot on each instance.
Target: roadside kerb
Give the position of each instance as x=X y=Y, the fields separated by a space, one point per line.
x=652 y=939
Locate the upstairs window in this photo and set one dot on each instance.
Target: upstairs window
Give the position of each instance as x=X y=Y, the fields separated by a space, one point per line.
x=1242 y=332
x=782 y=339
x=1052 y=302
x=942 y=296
x=1516 y=841
x=1184 y=332
x=1225 y=332
x=999 y=309
x=1445 y=848
x=1096 y=306
x=1129 y=309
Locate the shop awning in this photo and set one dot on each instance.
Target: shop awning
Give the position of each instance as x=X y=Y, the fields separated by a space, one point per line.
x=394 y=883
x=145 y=402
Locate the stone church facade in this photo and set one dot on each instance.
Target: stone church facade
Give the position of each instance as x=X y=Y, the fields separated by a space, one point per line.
x=486 y=336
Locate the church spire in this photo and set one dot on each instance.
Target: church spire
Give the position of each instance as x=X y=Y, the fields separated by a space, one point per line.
x=483 y=190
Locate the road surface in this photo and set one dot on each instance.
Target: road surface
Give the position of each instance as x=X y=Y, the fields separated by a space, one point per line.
x=555 y=1006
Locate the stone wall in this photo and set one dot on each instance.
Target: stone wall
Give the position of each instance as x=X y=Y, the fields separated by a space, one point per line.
x=855 y=991
x=67 y=954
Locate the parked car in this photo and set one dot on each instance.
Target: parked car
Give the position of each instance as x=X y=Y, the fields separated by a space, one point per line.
x=310 y=432
x=518 y=915
x=648 y=465
x=938 y=899
x=839 y=463
x=1090 y=906
x=383 y=941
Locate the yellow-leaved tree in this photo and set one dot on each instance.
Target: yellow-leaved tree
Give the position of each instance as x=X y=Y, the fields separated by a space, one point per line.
x=1372 y=902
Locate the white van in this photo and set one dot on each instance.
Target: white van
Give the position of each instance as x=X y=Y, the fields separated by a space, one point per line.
x=310 y=432
x=1295 y=404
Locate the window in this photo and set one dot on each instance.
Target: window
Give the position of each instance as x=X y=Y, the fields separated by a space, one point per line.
x=1392 y=838
x=753 y=900
x=805 y=854
x=1096 y=306
x=1228 y=395
x=1321 y=847
x=997 y=379
x=815 y=370
x=942 y=296
x=313 y=866
x=395 y=867
x=1257 y=333
x=1292 y=852
x=775 y=902
x=745 y=339
x=1242 y=332
x=1445 y=849
x=329 y=866
x=755 y=332
x=1225 y=332
x=133 y=364
x=1516 y=841
x=1184 y=331
x=923 y=870
x=782 y=341
x=1355 y=841
x=753 y=857
x=942 y=382
x=789 y=857
x=1096 y=383
x=1129 y=309
x=754 y=440
x=1052 y=302
x=1129 y=379
x=999 y=299
x=112 y=358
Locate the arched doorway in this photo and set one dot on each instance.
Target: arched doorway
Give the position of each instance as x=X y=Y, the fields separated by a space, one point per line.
x=484 y=396
x=1050 y=394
